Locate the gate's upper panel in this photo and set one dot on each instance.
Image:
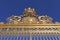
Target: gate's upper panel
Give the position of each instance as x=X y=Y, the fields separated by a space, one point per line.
x=29 y=17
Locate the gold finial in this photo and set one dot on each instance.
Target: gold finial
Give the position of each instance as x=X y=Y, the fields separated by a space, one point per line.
x=25 y=9
x=33 y=9
x=29 y=8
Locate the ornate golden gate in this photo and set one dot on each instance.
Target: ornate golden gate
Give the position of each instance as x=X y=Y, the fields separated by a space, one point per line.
x=30 y=27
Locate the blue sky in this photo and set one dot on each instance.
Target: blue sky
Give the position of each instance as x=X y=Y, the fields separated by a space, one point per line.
x=42 y=7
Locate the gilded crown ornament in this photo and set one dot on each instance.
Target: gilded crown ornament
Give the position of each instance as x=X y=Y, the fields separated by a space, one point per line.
x=29 y=17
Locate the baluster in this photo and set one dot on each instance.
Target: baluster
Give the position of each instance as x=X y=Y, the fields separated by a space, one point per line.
x=17 y=37
x=24 y=37
x=21 y=37
x=43 y=37
x=57 y=37
x=49 y=37
x=3 y=37
x=40 y=37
